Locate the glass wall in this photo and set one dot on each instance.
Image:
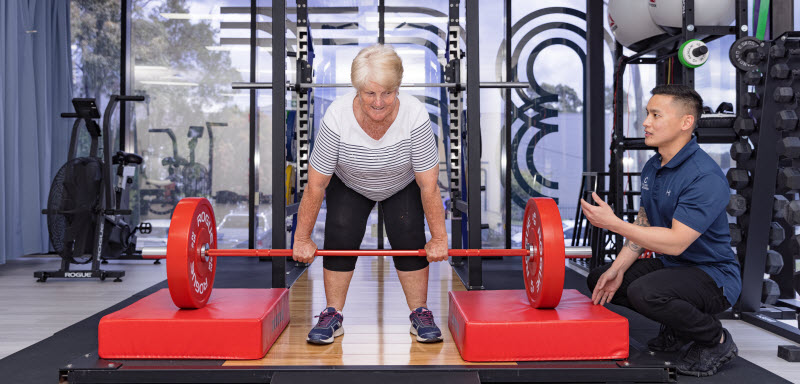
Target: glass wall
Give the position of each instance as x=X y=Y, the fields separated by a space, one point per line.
x=96 y=35
x=192 y=130
x=264 y=54
x=548 y=48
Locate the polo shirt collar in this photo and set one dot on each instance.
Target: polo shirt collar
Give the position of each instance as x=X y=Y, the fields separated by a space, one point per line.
x=686 y=152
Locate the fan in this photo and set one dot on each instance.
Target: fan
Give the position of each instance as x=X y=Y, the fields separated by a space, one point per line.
x=71 y=206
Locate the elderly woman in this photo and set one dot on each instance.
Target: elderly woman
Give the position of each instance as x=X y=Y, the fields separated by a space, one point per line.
x=375 y=144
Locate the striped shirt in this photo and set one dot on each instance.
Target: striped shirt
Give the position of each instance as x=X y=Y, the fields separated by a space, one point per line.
x=376 y=169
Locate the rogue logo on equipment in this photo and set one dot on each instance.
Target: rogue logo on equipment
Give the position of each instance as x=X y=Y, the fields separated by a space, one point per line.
x=198 y=287
x=78 y=274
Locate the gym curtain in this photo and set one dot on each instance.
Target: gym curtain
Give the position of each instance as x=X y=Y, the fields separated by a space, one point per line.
x=35 y=87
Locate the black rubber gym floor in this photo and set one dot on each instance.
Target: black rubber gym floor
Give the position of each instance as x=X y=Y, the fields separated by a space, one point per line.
x=40 y=362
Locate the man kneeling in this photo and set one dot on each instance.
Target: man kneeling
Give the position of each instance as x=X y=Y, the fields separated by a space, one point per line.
x=682 y=218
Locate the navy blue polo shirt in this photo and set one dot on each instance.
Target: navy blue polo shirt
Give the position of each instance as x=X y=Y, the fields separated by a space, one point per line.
x=692 y=189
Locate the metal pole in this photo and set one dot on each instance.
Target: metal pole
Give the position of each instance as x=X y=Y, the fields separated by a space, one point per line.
x=509 y=122
x=594 y=90
x=278 y=140
x=473 y=174
x=381 y=40
x=126 y=80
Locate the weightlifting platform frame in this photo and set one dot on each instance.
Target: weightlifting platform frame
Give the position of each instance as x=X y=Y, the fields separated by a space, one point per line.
x=640 y=367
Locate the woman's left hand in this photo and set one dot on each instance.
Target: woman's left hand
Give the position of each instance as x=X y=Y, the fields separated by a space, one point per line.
x=436 y=249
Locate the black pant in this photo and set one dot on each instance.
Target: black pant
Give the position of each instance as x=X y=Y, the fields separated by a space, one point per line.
x=347 y=216
x=682 y=298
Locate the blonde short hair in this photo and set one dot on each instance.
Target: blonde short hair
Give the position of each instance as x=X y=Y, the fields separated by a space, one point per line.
x=378 y=63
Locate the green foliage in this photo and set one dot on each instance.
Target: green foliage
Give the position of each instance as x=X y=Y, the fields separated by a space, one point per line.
x=95 y=28
x=184 y=82
x=180 y=47
x=568 y=99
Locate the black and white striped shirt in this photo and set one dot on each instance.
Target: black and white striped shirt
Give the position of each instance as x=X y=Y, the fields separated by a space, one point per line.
x=376 y=169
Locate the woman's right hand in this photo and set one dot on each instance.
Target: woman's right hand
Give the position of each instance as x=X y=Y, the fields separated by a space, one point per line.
x=304 y=249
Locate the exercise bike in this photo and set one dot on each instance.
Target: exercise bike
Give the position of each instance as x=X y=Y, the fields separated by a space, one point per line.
x=86 y=212
x=185 y=177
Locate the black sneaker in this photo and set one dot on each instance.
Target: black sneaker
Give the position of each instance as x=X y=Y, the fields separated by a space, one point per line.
x=701 y=360
x=667 y=341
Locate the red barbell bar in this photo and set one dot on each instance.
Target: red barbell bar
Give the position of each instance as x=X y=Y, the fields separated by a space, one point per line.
x=570 y=252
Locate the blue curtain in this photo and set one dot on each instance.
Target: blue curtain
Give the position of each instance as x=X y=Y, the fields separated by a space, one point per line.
x=35 y=87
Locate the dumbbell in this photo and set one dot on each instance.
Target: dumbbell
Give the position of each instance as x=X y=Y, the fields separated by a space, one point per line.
x=791 y=212
x=794 y=244
x=770 y=292
x=776 y=234
x=785 y=121
x=750 y=100
x=788 y=147
x=741 y=150
x=780 y=207
x=745 y=126
x=777 y=51
x=779 y=71
x=737 y=205
x=736 y=234
x=788 y=180
x=783 y=95
x=752 y=77
x=774 y=263
x=738 y=178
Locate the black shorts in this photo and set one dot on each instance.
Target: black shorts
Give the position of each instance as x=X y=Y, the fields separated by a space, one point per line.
x=346 y=221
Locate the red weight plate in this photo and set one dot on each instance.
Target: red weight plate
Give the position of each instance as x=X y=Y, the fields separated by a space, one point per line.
x=544 y=269
x=189 y=276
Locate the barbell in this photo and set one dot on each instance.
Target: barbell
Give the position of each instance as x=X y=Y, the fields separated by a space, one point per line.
x=483 y=84
x=191 y=252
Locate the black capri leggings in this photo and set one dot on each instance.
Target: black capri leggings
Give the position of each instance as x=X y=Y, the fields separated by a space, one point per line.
x=346 y=222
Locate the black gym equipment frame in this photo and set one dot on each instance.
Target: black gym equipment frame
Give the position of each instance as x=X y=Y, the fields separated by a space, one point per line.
x=763 y=184
x=283 y=274
x=470 y=271
x=640 y=367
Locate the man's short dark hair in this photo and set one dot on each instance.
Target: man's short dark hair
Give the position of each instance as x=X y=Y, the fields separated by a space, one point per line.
x=686 y=96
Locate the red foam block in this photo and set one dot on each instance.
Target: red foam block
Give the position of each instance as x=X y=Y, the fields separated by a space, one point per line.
x=502 y=326
x=235 y=324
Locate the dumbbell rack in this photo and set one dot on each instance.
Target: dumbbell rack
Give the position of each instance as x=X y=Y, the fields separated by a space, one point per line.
x=766 y=224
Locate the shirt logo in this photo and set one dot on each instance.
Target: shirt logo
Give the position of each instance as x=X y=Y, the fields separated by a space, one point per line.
x=668 y=192
x=645 y=187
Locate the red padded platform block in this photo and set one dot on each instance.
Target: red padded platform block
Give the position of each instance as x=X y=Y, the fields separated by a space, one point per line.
x=235 y=324
x=502 y=326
